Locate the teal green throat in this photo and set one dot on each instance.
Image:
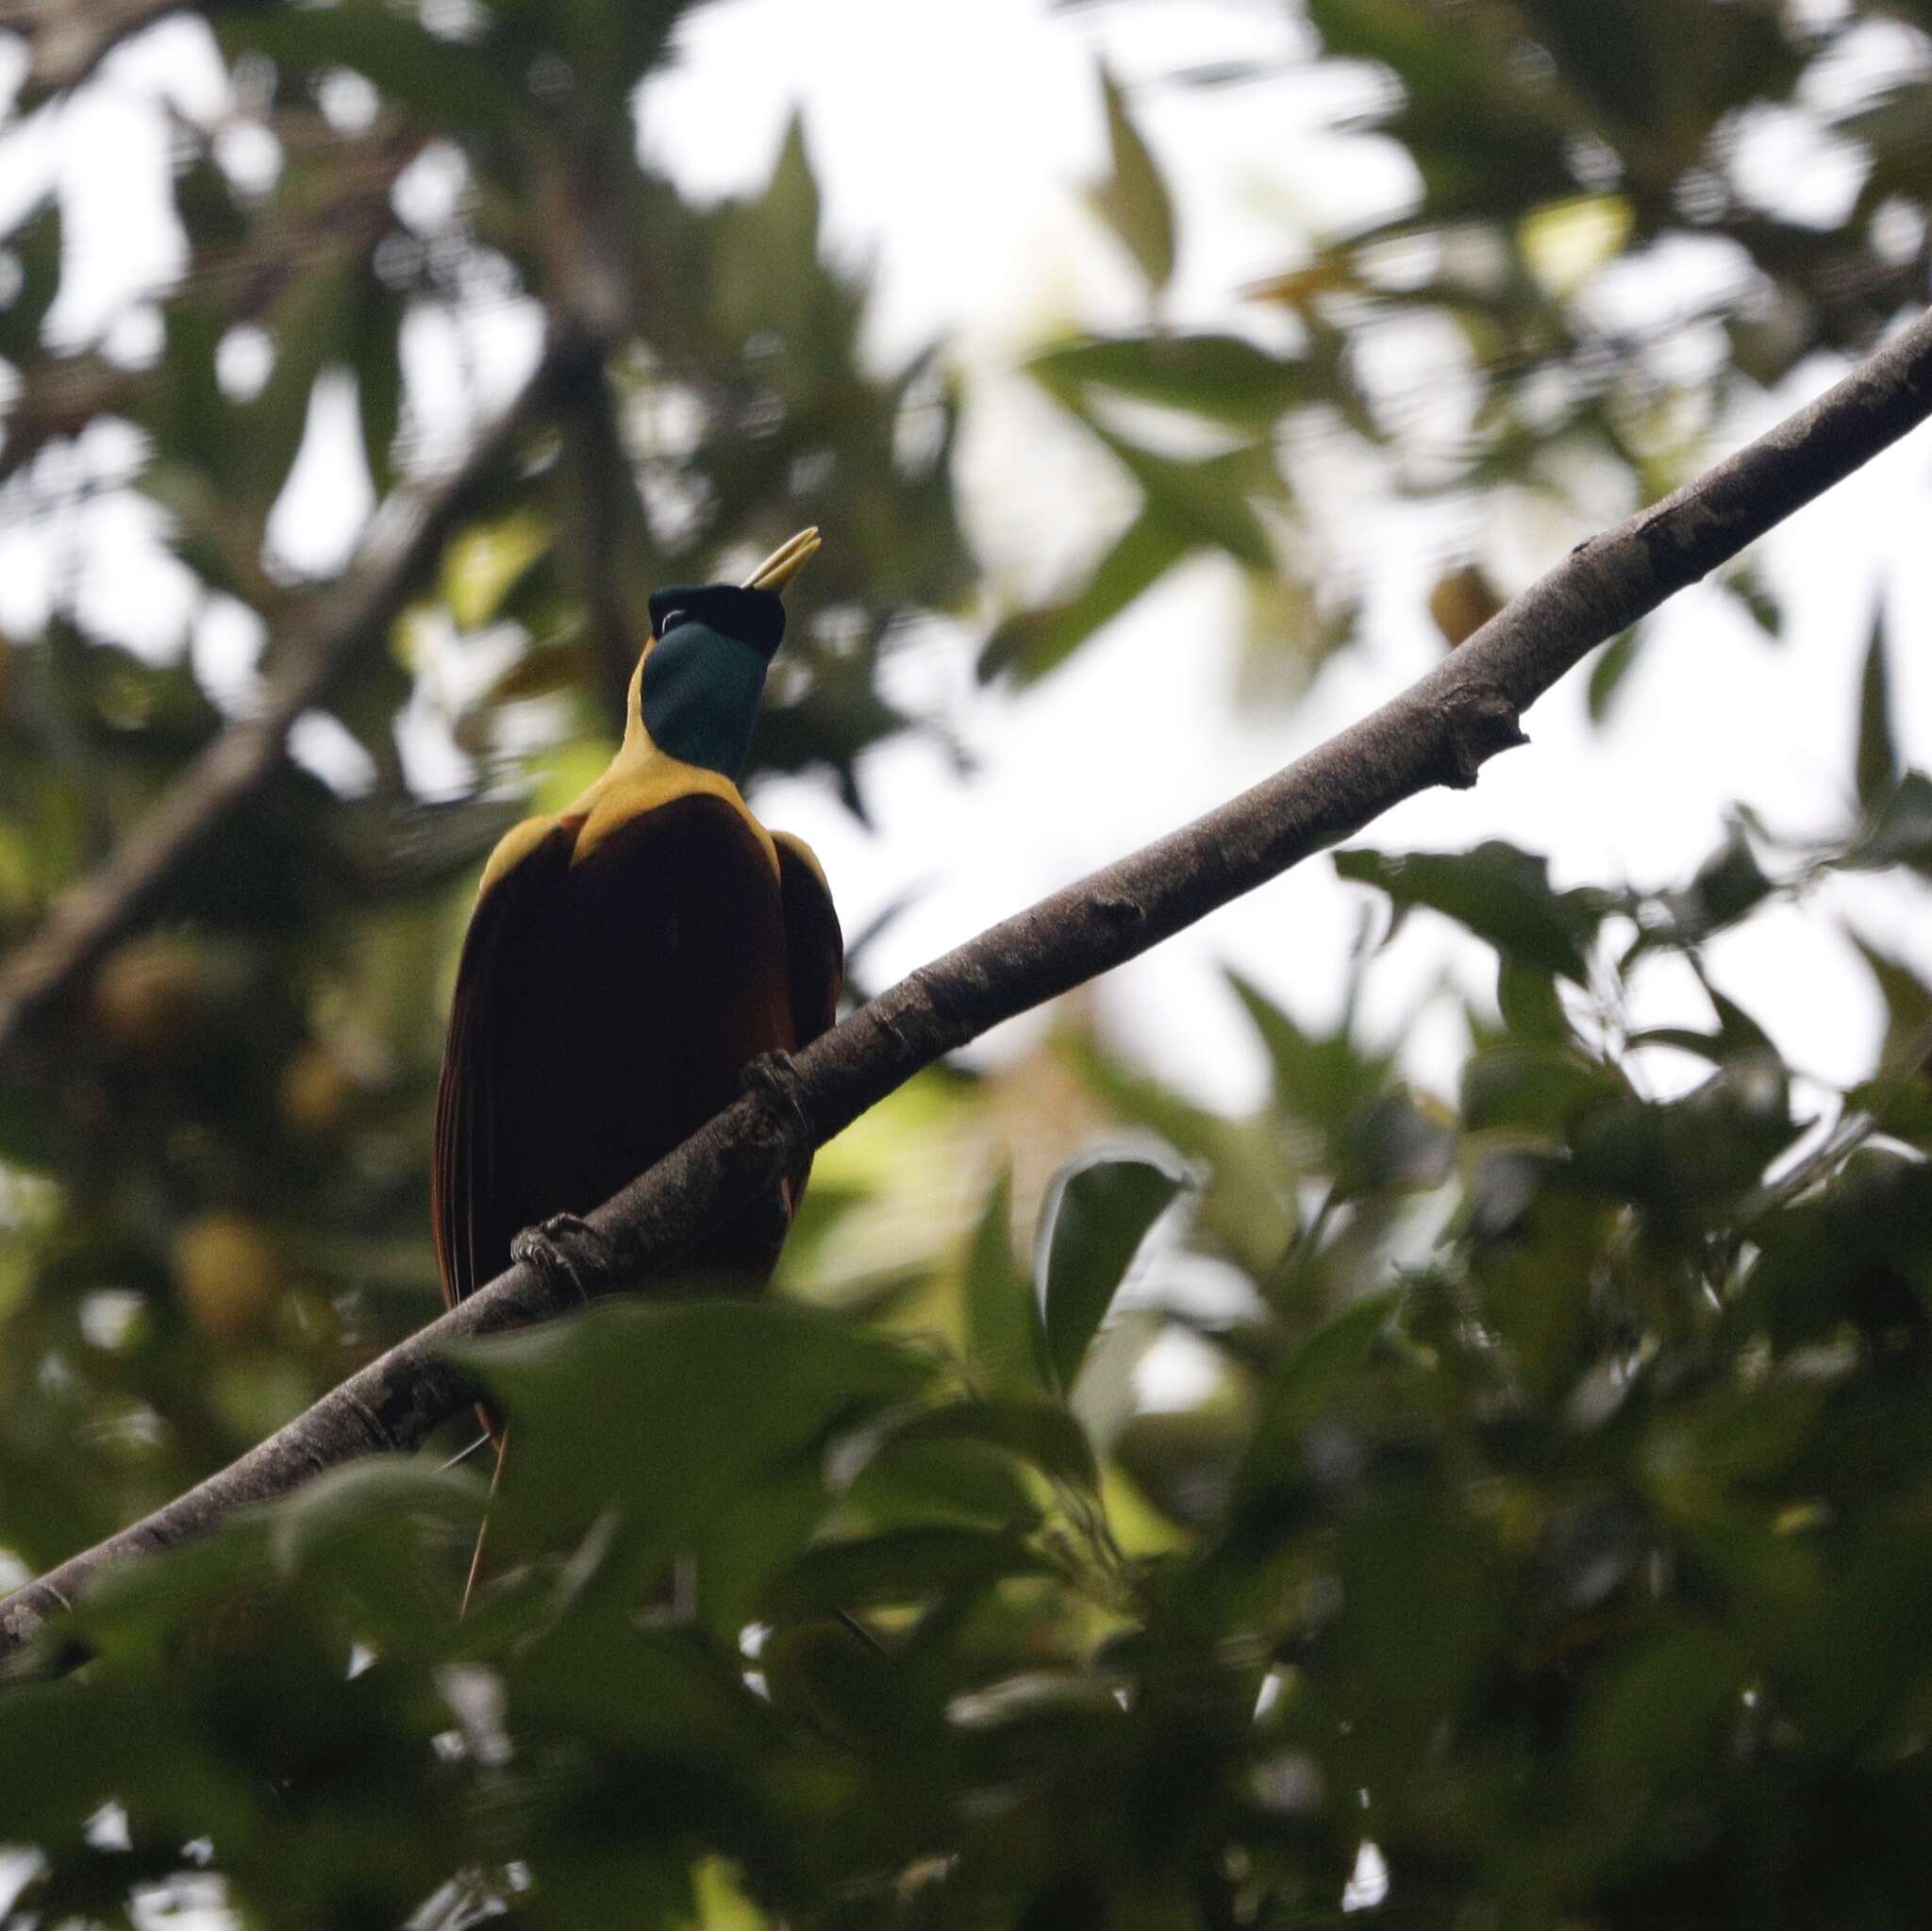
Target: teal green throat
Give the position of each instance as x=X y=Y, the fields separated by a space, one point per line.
x=704 y=677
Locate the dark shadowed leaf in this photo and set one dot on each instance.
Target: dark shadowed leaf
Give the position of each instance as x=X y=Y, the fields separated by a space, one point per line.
x=1531 y=1087
x=1500 y=893
x=1100 y=1216
x=1317 y=1375
x=35 y=246
x=1038 y=1434
x=1728 y=886
x=1613 y=666
x=1903 y=833
x=1876 y=767
x=1661 y=1715
x=903 y=1566
x=1908 y=1011
x=660 y=1411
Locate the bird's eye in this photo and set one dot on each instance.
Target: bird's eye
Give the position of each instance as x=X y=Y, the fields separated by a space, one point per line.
x=671 y=620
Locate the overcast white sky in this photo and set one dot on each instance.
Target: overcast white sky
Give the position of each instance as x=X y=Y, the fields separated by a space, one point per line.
x=965 y=200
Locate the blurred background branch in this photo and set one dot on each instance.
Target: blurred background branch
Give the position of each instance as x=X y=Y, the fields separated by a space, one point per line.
x=319 y=650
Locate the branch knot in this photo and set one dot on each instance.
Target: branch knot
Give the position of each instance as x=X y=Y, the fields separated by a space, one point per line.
x=1475 y=731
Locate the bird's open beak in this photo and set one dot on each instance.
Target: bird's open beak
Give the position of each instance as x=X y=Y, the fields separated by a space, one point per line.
x=785 y=562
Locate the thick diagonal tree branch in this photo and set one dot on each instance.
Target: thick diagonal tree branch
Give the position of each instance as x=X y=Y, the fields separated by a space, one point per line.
x=1440 y=731
x=408 y=534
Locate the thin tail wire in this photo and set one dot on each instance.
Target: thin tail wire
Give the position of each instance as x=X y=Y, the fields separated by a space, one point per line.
x=483 y=1527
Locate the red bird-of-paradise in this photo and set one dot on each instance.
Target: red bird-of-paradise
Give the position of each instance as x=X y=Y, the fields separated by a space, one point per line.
x=630 y=955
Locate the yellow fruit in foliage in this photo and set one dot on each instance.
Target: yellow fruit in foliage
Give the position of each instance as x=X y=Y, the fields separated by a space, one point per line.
x=151 y=995
x=315 y=1091
x=227 y=1274
x=1462 y=602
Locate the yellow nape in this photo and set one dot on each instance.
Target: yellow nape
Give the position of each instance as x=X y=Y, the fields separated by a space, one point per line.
x=513 y=848
x=639 y=778
x=633 y=786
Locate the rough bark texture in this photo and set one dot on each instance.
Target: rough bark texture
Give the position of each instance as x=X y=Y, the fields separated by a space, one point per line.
x=1440 y=731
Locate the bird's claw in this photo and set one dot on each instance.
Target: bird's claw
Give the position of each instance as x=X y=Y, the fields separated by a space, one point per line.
x=561 y=1247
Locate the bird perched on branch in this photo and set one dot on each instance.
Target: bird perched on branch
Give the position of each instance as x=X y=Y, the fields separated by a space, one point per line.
x=630 y=956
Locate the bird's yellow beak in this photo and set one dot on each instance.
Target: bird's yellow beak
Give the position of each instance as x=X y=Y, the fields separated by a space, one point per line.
x=785 y=562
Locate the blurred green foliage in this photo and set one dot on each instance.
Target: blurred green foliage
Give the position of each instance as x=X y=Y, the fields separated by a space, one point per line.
x=1562 y=154
x=1549 y=1520
x=1538 y=1535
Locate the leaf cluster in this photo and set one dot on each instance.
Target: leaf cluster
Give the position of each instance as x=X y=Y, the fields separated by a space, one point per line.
x=1547 y=1522
x=1593 y=264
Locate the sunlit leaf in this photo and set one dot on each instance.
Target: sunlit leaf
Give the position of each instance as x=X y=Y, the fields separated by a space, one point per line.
x=1134 y=201
x=1002 y=1314
x=1219 y=377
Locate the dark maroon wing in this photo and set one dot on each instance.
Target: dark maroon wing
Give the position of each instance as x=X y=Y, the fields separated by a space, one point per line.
x=605 y=1010
x=814 y=946
x=505 y=957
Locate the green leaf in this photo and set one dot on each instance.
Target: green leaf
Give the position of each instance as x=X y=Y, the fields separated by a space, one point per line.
x=1500 y=894
x=459 y=86
x=1207 y=498
x=1692 y=1154
x=1220 y=376
x=904 y=1565
x=1532 y=1086
x=1907 y=1011
x=791 y=201
x=1100 y=1216
x=1748 y=587
x=35 y=246
x=664 y=1411
x=1876 y=769
x=1663 y=1713
x=1134 y=201
x=1037 y=641
x=1614 y=665
x=1324 y=1080
x=1903 y=834
x=1729 y=885
x=1315 y=1376
x=366 y=1530
x=1040 y=1434
x=375 y=357
x=1001 y=1315
x=1420 y=1611
x=1530 y=1003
